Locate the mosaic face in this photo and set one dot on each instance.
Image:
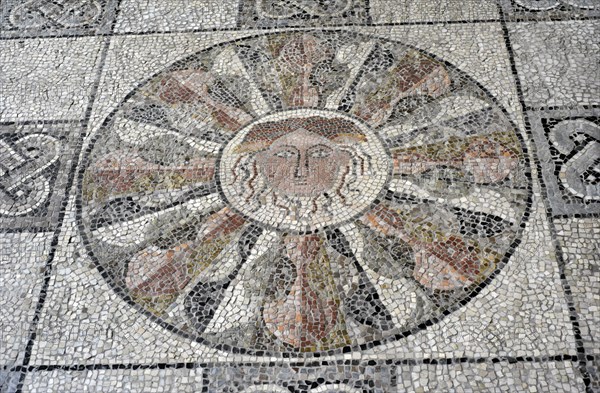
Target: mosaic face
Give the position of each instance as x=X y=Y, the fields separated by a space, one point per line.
x=306 y=171
x=303 y=192
x=297 y=163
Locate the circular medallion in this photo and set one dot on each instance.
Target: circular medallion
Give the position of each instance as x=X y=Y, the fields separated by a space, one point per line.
x=303 y=192
x=303 y=169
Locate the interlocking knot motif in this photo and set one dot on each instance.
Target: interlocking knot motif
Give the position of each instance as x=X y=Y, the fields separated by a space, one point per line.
x=578 y=145
x=545 y=5
x=65 y=13
x=25 y=172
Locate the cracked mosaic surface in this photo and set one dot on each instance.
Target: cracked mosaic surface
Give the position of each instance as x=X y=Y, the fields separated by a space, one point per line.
x=341 y=196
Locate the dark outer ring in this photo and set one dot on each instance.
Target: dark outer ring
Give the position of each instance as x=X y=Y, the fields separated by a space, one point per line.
x=305 y=356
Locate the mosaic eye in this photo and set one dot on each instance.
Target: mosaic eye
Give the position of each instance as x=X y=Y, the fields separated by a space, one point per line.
x=286 y=154
x=320 y=152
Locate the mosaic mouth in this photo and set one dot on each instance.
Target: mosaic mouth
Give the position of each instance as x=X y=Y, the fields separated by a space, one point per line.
x=267 y=194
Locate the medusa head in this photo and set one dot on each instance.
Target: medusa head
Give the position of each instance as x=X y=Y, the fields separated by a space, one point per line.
x=292 y=169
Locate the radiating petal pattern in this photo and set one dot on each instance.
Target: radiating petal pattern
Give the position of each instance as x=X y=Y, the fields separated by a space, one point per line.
x=305 y=311
x=303 y=192
x=399 y=73
x=443 y=261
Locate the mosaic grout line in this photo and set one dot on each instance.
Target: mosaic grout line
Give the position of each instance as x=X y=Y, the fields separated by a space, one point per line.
x=519 y=359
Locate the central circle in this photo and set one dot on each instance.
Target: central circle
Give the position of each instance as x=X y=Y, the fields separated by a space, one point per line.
x=303 y=169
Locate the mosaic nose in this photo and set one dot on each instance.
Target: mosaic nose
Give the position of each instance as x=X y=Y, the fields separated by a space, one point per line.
x=302 y=167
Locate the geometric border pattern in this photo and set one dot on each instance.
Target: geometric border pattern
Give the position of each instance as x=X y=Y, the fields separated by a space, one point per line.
x=561 y=201
x=42 y=18
x=50 y=171
x=544 y=10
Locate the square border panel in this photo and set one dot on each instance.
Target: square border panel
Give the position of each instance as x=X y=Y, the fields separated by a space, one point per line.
x=556 y=62
x=521 y=336
x=35 y=166
x=175 y=15
x=48 y=79
x=42 y=18
x=562 y=201
x=579 y=243
x=545 y=10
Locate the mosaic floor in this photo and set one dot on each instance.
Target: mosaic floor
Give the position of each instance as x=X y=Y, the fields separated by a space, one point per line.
x=299 y=196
